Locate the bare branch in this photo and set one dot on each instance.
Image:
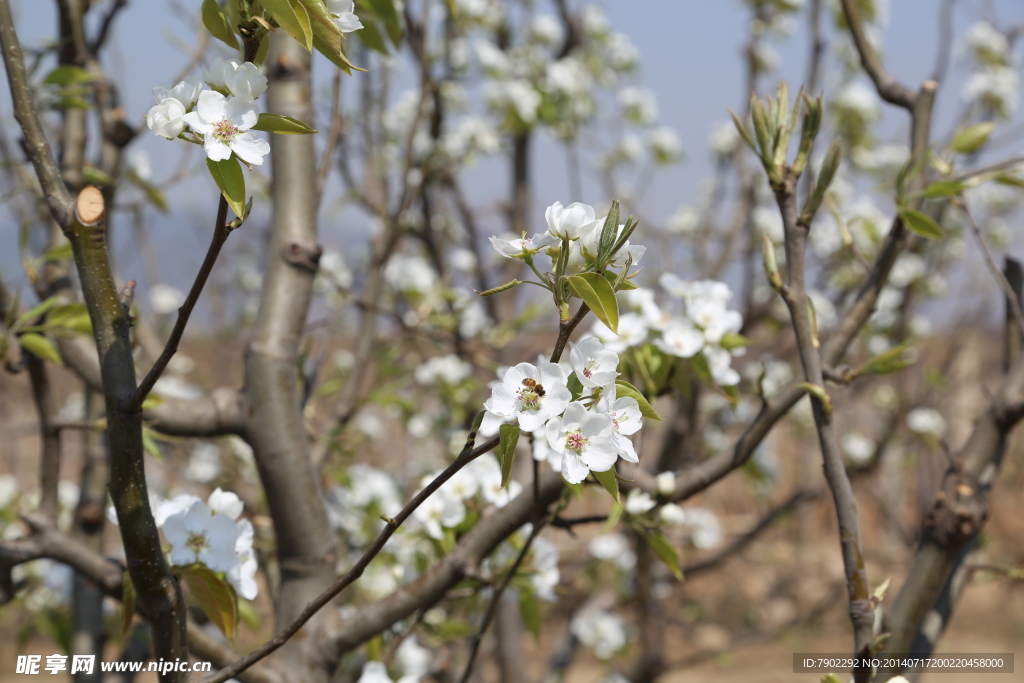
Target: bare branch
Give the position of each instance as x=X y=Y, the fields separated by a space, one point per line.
x=889 y=89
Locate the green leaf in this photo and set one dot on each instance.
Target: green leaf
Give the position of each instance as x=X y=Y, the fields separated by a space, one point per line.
x=371 y=37
x=228 y=176
x=831 y=678
x=624 y=388
x=215 y=597
x=508 y=438
x=74 y=317
x=613 y=517
x=153 y=193
x=151 y=402
x=921 y=224
x=94 y=176
x=885 y=363
x=385 y=9
x=945 y=188
x=41 y=347
x=575 y=386
x=58 y=253
x=150 y=446
x=275 y=123
x=911 y=167
x=326 y=34
x=609 y=233
x=666 y=551
x=286 y=14
x=68 y=74
x=599 y=296
x=217 y=24
x=731 y=340
x=36 y=311
x=610 y=483
x=127 y=604
x=970 y=139
x=529 y=608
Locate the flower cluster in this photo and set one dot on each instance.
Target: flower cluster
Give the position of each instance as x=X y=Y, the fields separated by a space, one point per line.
x=219 y=118
x=585 y=433
x=449 y=506
x=705 y=325
x=211 y=533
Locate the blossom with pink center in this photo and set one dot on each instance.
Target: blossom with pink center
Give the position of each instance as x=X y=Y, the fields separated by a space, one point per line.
x=594 y=365
x=584 y=440
x=533 y=394
x=224 y=122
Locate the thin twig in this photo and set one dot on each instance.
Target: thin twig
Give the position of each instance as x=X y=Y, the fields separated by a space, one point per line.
x=993 y=267
x=221 y=230
x=348 y=578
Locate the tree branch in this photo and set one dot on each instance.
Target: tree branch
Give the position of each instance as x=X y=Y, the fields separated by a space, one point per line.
x=889 y=89
x=221 y=230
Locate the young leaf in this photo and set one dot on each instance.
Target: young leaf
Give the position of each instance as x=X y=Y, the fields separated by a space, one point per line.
x=575 y=386
x=58 y=253
x=293 y=18
x=945 y=188
x=41 y=347
x=275 y=123
x=529 y=608
x=36 y=311
x=624 y=388
x=885 y=363
x=921 y=224
x=970 y=139
x=610 y=483
x=609 y=233
x=509 y=437
x=215 y=597
x=613 y=518
x=372 y=38
x=74 y=317
x=385 y=9
x=217 y=24
x=599 y=296
x=228 y=176
x=666 y=551
x=68 y=74
x=127 y=604
x=150 y=446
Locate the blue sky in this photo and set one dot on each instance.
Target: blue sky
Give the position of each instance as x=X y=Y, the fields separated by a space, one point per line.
x=691 y=57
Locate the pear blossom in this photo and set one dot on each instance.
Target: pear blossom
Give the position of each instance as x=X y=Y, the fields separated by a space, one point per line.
x=603 y=632
x=571 y=221
x=242 y=576
x=200 y=535
x=638 y=502
x=666 y=483
x=532 y=394
x=186 y=92
x=926 y=421
x=633 y=330
x=374 y=672
x=439 y=511
x=167 y=119
x=584 y=439
x=544 y=563
x=672 y=514
x=589 y=244
x=680 y=338
x=344 y=13
x=594 y=365
x=224 y=123
x=228 y=77
x=613 y=548
x=624 y=412
x=522 y=247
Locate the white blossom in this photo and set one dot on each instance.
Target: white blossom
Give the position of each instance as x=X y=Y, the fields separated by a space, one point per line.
x=571 y=221
x=344 y=15
x=666 y=483
x=449 y=369
x=224 y=123
x=532 y=394
x=613 y=548
x=584 y=441
x=165 y=299
x=167 y=118
x=522 y=247
x=638 y=502
x=601 y=631
x=926 y=421
x=594 y=365
x=199 y=535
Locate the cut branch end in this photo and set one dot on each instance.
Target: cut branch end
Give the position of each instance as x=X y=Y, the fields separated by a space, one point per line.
x=90 y=207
